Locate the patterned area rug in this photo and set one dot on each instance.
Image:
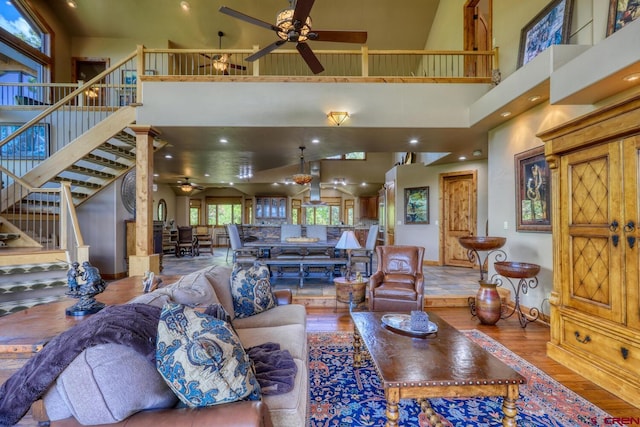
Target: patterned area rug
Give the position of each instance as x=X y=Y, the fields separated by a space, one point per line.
x=342 y=396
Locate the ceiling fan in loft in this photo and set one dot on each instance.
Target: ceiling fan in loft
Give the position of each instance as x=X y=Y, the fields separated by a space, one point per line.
x=294 y=25
x=221 y=62
x=187 y=187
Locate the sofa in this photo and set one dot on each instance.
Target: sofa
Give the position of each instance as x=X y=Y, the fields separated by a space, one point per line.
x=143 y=400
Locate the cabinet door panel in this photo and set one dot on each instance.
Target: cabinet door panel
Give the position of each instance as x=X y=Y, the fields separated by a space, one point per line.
x=632 y=213
x=592 y=192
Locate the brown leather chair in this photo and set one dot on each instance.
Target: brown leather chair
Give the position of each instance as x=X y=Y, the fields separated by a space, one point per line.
x=398 y=285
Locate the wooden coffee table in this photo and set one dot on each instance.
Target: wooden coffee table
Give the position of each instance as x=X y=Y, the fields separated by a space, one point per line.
x=446 y=364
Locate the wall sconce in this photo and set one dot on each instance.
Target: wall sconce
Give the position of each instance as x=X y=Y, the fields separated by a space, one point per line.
x=338 y=117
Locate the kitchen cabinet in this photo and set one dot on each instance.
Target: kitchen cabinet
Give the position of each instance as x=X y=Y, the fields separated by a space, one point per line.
x=369 y=207
x=595 y=304
x=271 y=208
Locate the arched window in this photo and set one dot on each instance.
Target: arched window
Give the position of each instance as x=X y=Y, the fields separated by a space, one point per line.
x=24 y=45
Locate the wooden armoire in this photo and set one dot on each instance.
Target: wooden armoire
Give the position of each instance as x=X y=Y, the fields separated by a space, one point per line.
x=595 y=303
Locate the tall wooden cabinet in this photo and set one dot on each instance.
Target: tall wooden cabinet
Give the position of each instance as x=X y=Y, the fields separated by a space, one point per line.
x=595 y=304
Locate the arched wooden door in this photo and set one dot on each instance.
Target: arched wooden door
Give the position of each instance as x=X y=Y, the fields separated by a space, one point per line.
x=477 y=36
x=458 y=211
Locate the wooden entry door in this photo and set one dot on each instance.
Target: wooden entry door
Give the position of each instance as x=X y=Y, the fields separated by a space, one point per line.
x=459 y=215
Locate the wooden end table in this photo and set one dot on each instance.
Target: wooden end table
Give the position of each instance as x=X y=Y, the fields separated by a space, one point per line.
x=349 y=291
x=446 y=364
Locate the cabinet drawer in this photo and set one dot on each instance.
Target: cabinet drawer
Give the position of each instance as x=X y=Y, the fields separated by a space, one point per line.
x=594 y=343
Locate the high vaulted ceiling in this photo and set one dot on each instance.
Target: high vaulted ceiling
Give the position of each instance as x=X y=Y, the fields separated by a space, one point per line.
x=390 y=24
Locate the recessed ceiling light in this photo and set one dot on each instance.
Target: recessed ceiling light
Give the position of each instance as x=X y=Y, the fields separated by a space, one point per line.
x=156 y=174
x=231 y=183
x=223 y=141
x=184 y=5
x=72 y=3
x=631 y=77
x=413 y=141
x=206 y=174
x=315 y=141
x=534 y=98
x=364 y=184
x=477 y=153
x=168 y=156
x=505 y=114
x=462 y=158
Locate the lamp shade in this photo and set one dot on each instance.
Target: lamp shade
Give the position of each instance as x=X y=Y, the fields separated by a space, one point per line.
x=348 y=240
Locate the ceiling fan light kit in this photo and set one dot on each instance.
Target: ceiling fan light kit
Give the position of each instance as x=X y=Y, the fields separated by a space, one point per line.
x=294 y=25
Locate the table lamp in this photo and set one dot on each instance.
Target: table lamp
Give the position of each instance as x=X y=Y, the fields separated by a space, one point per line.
x=348 y=241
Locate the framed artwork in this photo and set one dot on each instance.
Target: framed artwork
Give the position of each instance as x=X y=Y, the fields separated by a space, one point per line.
x=33 y=144
x=621 y=13
x=533 y=191
x=549 y=27
x=416 y=205
x=130 y=77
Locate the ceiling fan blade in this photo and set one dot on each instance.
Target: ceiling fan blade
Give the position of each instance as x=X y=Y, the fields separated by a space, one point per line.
x=212 y=57
x=339 y=36
x=262 y=52
x=237 y=67
x=302 y=10
x=310 y=58
x=247 y=18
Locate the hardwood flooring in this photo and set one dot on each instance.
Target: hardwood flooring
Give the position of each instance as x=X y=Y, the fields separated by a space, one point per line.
x=529 y=343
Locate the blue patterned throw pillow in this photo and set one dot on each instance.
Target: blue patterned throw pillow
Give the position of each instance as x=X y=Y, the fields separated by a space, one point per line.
x=201 y=358
x=251 y=291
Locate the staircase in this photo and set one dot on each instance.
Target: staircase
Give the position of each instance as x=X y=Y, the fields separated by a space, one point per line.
x=25 y=285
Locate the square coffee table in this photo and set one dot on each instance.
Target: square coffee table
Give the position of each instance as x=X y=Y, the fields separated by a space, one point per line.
x=445 y=364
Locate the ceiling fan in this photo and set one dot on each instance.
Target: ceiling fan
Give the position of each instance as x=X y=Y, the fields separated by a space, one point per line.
x=188 y=187
x=221 y=62
x=294 y=25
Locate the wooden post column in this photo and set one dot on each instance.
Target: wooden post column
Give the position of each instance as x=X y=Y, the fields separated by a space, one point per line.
x=144 y=258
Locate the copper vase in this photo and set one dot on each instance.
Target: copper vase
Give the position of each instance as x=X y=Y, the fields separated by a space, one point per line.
x=488 y=306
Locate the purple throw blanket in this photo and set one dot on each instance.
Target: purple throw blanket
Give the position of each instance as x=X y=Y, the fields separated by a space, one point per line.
x=133 y=325
x=275 y=368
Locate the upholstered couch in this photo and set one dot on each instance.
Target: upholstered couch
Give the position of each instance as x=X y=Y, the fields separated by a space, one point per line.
x=284 y=324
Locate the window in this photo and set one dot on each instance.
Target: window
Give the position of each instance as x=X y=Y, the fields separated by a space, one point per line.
x=296 y=211
x=349 y=209
x=24 y=42
x=194 y=211
x=324 y=215
x=356 y=155
x=224 y=210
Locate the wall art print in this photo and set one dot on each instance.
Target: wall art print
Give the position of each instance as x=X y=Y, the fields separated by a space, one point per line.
x=550 y=26
x=621 y=13
x=533 y=191
x=416 y=205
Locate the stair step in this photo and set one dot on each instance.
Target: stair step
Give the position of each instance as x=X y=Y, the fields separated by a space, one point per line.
x=126 y=138
x=77 y=183
x=102 y=161
x=33 y=268
x=4 y=237
x=90 y=172
x=117 y=151
x=6 y=289
x=18 y=305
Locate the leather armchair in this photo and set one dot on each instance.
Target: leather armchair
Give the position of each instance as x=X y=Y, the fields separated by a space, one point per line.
x=398 y=284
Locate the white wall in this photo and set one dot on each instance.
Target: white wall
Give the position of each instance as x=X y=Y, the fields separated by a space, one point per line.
x=418 y=175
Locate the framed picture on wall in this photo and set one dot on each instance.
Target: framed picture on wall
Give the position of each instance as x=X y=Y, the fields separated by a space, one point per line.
x=533 y=191
x=550 y=26
x=416 y=205
x=621 y=13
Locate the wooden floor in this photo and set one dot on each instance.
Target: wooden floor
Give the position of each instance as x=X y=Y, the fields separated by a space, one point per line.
x=529 y=343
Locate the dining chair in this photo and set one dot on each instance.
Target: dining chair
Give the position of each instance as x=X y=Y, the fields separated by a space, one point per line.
x=366 y=256
x=240 y=254
x=319 y=232
x=205 y=239
x=187 y=243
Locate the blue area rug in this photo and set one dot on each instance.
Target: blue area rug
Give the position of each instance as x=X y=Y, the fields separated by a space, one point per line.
x=343 y=396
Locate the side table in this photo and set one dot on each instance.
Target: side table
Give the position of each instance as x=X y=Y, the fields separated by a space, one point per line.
x=349 y=291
